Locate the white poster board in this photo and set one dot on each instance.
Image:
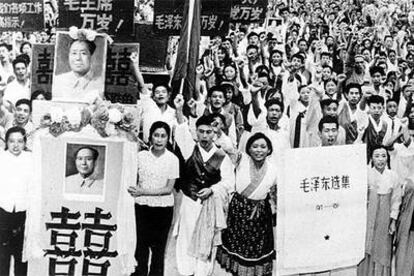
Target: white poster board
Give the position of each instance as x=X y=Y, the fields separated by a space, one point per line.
x=321 y=212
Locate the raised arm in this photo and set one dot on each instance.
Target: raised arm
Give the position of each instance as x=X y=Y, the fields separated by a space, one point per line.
x=183 y=136
x=137 y=73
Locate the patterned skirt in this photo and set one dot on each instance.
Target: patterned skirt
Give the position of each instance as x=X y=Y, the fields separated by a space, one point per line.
x=248 y=248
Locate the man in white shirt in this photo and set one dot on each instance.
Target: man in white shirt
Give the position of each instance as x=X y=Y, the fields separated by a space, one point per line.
x=19 y=88
x=154 y=106
x=22 y=117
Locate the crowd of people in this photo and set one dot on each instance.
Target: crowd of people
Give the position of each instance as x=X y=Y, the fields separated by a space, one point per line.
x=331 y=73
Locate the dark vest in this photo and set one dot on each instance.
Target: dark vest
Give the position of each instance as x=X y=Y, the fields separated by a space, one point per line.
x=199 y=174
x=372 y=138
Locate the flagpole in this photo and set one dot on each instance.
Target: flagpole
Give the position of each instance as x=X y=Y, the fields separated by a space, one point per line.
x=190 y=26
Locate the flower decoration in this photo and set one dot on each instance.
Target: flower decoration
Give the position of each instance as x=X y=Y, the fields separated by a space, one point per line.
x=82 y=34
x=109 y=120
x=86 y=34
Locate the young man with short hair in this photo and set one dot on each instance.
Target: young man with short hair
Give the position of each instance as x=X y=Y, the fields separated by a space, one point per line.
x=19 y=88
x=216 y=98
x=378 y=131
x=154 y=104
x=351 y=117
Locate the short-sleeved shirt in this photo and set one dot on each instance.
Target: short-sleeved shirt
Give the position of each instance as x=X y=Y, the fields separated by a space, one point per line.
x=153 y=173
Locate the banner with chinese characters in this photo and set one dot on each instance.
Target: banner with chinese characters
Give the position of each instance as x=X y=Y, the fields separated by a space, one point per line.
x=322 y=201
x=111 y=17
x=42 y=67
x=22 y=15
x=168 y=17
x=82 y=219
x=119 y=81
x=248 y=11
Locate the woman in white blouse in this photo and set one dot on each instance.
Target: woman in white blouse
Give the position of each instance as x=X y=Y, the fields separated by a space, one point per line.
x=248 y=247
x=384 y=200
x=15 y=171
x=158 y=169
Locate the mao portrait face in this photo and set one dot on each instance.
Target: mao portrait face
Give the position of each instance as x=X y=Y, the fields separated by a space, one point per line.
x=80 y=55
x=85 y=171
x=79 y=67
x=85 y=161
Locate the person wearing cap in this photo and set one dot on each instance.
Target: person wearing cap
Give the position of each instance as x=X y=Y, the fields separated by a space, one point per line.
x=208 y=172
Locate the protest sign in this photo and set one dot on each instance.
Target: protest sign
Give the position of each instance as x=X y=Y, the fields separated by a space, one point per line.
x=214 y=20
x=21 y=15
x=111 y=17
x=75 y=227
x=150 y=60
x=42 y=67
x=248 y=11
x=322 y=201
x=78 y=76
x=119 y=81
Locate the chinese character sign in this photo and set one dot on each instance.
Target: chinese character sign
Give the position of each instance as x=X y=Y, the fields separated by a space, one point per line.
x=248 y=11
x=109 y=16
x=168 y=17
x=322 y=197
x=42 y=67
x=80 y=220
x=119 y=81
x=21 y=15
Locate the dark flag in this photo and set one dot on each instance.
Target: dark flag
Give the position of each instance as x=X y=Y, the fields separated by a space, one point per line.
x=184 y=78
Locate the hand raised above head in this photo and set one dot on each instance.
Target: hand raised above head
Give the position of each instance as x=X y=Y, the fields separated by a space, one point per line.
x=179 y=102
x=134 y=57
x=256 y=87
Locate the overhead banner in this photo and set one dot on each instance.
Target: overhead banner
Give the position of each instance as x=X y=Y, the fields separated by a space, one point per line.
x=42 y=67
x=119 y=81
x=22 y=15
x=82 y=225
x=248 y=11
x=322 y=202
x=168 y=17
x=111 y=17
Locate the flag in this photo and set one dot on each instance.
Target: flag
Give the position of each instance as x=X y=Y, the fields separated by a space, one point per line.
x=184 y=77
